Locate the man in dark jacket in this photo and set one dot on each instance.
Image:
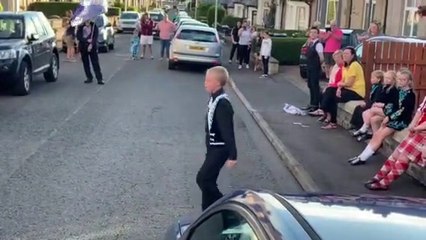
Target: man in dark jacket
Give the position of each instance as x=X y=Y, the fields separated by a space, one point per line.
x=220 y=138
x=87 y=35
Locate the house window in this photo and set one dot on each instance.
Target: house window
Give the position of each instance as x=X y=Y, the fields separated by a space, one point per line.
x=410 y=20
x=332 y=9
x=367 y=19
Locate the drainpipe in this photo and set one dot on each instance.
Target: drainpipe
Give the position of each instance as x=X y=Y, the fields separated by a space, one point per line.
x=386 y=16
x=350 y=13
x=368 y=20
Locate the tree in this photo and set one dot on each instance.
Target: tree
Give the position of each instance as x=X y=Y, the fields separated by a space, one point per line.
x=1 y=7
x=211 y=12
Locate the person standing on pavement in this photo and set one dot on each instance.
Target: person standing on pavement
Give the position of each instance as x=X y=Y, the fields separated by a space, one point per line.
x=166 y=29
x=265 y=53
x=315 y=60
x=134 y=44
x=333 y=42
x=87 y=35
x=244 y=45
x=235 y=38
x=70 y=41
x=146 y=28
x=220 y=138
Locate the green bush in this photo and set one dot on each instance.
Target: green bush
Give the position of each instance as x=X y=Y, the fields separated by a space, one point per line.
x=230 y=21
x=287 y=50
x=1 y=7
x=53 y=8
x=113 y=11
x=290 y=33
x=203 y=9
x=60 y=8
x=210 y=14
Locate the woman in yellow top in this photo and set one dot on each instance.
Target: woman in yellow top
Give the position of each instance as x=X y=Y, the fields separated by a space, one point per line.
x=352 y=86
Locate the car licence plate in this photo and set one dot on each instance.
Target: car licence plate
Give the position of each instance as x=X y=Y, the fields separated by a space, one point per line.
x=197 y=48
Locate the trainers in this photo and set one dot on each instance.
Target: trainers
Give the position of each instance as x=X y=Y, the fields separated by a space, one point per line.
x=263 y=76
x=230 y=61
x=247 y=66
x=239 y=66
x=152 y=57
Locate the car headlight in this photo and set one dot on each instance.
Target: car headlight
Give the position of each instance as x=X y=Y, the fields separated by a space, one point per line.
x=7 y=54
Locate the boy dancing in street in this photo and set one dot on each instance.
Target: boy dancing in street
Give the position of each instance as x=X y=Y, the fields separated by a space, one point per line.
x=220 y=138
x=265 y=53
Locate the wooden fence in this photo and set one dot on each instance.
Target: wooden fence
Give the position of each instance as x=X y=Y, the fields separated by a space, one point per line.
x=394 y=56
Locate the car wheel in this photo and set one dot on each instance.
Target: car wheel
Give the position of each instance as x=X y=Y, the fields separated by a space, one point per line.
x=23 y=81
x=51 y=75
x=172 y=66
x=303 y=73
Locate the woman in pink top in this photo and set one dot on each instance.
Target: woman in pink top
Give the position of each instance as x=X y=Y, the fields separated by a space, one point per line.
x=333 y=42
x=166 y=29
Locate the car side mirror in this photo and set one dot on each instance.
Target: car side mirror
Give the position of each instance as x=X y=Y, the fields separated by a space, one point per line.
x=34 y=37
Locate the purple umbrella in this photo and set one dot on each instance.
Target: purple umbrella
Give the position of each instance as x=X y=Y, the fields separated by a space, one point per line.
x=85 y=13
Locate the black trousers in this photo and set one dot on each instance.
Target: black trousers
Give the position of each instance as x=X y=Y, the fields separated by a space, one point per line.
x=265 y=62
x=356 y=120
x=208 y=174
x=330 y=100
x=244 y=54
x=233 y=50
x=86 y=58
x=314 y=76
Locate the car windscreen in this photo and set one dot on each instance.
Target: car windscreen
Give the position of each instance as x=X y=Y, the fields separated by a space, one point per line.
x=129 y=16
x=197 y=35
x=156 y=17
x=11 y=27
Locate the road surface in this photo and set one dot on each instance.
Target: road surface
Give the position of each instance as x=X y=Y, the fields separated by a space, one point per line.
x=116 y=161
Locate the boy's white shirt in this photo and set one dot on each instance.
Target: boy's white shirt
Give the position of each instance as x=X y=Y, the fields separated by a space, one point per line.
x=266 y=47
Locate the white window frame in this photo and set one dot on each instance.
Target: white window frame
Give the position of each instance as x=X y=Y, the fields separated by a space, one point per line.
x=409 y=9
x=366 y=21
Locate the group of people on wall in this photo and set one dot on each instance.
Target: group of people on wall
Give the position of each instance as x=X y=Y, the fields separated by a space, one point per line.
x=387 y=109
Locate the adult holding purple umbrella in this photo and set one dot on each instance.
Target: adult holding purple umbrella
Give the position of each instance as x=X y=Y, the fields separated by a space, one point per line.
x=87 y=35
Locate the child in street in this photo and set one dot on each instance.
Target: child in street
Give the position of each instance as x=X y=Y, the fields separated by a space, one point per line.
x=134 y=44
x=265 y=53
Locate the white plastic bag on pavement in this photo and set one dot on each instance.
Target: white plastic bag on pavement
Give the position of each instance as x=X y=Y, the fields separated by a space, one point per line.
x=290 y=109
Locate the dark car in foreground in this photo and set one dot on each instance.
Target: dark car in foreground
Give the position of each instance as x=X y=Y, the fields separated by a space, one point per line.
x=349 y=39
x=264 y=215
x=27 y=48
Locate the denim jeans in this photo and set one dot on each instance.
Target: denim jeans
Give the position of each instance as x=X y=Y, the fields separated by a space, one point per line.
x=165 y=46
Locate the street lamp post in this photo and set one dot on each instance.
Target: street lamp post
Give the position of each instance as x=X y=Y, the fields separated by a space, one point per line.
x=215 y=14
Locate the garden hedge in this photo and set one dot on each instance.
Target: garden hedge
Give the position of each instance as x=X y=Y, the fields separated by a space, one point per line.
x=60 y=8
x=230 y=21
x=287 y=50
x=211 y=12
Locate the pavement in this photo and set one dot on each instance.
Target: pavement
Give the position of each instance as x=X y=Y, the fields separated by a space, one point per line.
x=117 y=161
x=317 y=158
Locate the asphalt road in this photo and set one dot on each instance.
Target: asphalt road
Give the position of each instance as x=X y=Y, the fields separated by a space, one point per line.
x=116 y=161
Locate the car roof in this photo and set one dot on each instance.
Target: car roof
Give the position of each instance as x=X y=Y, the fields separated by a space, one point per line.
x=396 y=39
x=23 y=13
x=197 y=27
x=346 y=217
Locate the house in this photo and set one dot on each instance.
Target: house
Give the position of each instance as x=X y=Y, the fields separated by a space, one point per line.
x=397 y=18
x=290 y=14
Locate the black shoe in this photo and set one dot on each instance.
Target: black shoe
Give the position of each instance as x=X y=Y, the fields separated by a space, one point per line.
x=307 y=108
x=101 y=82
x=88 y=81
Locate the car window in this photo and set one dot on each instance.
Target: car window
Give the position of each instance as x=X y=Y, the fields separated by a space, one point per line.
x=359 y=52
x=156 y=17
x=30 y=27
x=129 y=16
x=224 y=225
x=11 y=28
x=197 y=35
x=39 y=27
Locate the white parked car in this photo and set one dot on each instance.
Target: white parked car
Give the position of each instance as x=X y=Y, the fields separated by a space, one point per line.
x=195 y=44
x=127 y=21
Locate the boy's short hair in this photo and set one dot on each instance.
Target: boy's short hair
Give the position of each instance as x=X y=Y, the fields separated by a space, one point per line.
x=222 y=74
